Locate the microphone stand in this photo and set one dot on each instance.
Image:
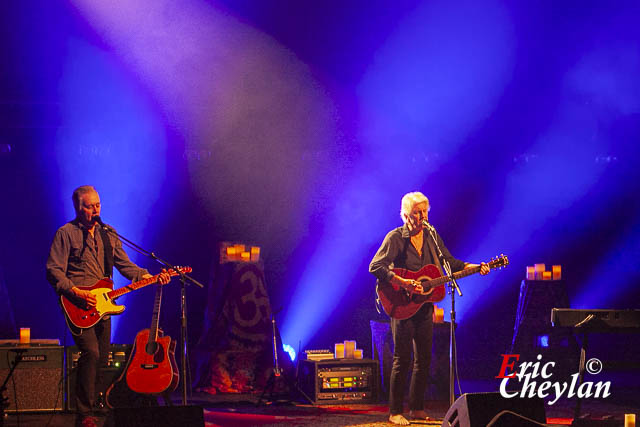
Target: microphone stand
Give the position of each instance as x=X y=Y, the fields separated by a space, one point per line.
x=4 y=401
x=183 y=298
x=452 y=288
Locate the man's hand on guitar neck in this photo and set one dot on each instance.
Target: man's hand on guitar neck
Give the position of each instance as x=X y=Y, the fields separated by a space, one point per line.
x=407 y=284
x=484 y=267
x=164 y=277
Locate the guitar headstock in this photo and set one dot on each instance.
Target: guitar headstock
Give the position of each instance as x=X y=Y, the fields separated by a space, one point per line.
x=499 y=261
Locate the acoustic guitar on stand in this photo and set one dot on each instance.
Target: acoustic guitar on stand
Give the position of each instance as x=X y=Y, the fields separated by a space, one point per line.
x=81 y=316
x=152 y=368
x=401 y=304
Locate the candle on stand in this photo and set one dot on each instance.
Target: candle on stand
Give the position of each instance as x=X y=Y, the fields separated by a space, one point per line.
x=349 y=349
x=629 y=420
x=531 y=273
x=255 y=253
x=538 y=270
x=557 y=272
x=339 y=351
x=25 y=335
x=231 y=252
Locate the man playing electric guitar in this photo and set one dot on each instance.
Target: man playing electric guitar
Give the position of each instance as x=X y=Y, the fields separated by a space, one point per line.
x=411 y=248
x=82 y=254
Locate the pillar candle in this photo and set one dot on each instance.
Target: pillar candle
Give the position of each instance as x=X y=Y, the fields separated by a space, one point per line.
x=531 y=273
x=339 y=351
x=629 y=420
x=25 y=335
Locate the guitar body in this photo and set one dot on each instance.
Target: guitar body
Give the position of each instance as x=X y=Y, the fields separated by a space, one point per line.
x=152 y=368
x=80 y=316
x=119 y=395
x=399 y=304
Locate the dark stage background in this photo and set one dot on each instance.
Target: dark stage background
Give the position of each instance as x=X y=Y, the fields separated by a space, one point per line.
x=298 y=126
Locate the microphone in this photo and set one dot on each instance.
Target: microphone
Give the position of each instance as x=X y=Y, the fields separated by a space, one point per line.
x=98 y=220
x=426 y=224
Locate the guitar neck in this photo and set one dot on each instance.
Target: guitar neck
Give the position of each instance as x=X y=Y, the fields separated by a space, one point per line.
x=132 y=287
x=457 y=275
x=153 y=331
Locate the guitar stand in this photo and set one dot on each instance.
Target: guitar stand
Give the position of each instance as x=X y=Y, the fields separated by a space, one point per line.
x=276 y=373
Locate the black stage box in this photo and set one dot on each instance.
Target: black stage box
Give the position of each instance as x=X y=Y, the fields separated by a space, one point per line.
x=37 y=382
x=340 y=380
x=493 y=410
x=117 y=360
x=161 y=416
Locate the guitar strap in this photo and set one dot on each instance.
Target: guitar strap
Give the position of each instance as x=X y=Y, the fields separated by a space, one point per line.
x=108 y=253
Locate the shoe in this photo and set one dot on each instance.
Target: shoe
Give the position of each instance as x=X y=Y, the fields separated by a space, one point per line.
x=86 y=421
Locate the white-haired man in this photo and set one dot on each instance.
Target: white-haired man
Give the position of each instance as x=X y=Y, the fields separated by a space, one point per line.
x=409 y=247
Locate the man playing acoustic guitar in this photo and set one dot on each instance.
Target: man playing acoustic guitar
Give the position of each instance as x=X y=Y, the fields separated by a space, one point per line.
x=410 y=247
x=81 y=255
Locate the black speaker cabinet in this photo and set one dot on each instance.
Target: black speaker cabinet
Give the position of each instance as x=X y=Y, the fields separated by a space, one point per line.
x=37 y=382
x=339 y=380
x=160 y=416
x=491 y=409
x=117 y=360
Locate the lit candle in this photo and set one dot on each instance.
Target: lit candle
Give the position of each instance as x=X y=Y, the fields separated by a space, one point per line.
x=538 y=270
x=358 y=354
x=339 y=351
x=25 y=335
x=245 y=256
x=546 y=275
x=531 y=273
x=255 y=253
x=349 y=349
x=629 y=420
x=557 y=272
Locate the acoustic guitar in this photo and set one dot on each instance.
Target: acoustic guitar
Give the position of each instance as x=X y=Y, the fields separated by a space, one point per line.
x=402 y=304
x=152 y=368
x=79 y=315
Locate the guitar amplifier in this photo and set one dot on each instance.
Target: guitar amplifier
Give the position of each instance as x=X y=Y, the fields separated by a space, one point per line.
x=118 y=357
x=339 y=380
x=37 y=382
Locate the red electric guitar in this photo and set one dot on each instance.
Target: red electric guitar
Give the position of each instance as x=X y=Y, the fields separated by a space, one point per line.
x=79 y=315
x=152 y=368
x=402 y=304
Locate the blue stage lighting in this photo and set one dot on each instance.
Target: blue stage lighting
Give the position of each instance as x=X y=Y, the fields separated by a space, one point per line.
x=543 y=341
x=110 y=137
x=292 y=353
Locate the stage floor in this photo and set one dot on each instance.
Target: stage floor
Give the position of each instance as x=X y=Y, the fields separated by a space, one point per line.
x=243 y=410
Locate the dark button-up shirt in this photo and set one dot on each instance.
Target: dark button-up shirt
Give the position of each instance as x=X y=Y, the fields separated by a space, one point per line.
x=77 y=259
x=392 y=254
